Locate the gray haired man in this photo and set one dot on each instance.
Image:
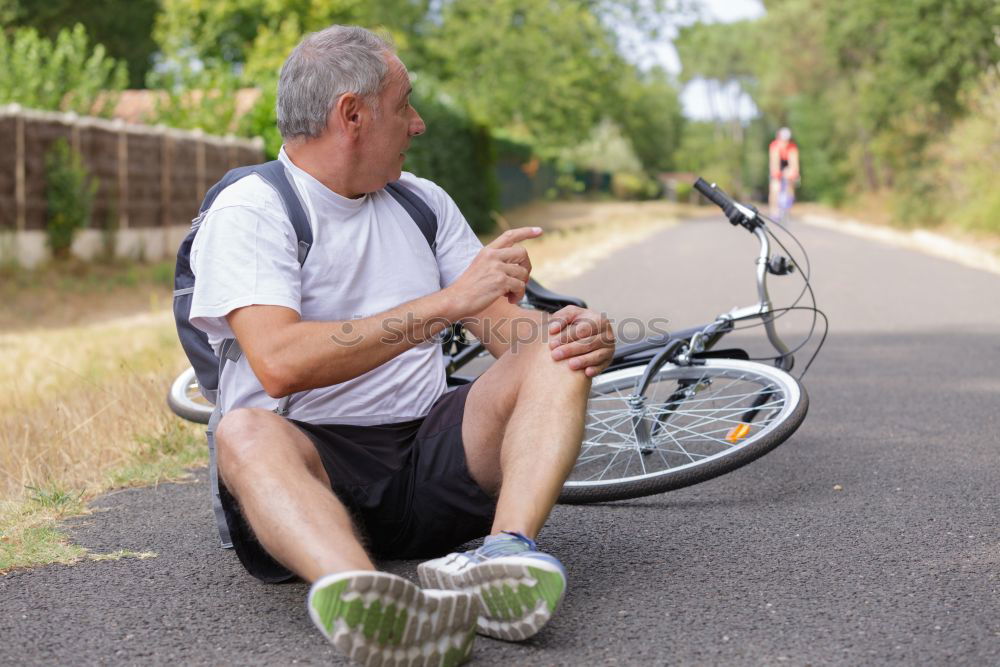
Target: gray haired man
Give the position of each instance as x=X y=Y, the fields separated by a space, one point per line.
x=375 y=458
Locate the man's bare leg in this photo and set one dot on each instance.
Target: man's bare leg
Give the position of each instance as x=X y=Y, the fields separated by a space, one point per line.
x=541 y=442
x=275 y=473
x=522 y=430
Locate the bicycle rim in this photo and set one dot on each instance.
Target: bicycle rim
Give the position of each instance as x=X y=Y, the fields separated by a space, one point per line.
x=185 y=399
x=693 y=423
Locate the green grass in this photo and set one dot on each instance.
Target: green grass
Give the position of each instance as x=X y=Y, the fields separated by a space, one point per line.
x=165 y=456
x=30 y=533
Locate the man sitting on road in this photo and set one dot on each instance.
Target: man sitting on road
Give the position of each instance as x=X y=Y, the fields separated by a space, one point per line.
x=375 y=458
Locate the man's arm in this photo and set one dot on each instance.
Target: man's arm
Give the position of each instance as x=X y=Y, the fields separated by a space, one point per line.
x=289 y=355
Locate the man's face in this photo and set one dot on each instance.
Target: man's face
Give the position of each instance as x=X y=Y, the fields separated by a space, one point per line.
x=391 y=127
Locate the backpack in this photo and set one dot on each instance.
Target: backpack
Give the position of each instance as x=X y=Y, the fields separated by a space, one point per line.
x=207 y=365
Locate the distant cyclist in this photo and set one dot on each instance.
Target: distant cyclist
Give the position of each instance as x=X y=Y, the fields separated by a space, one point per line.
x=784 y=169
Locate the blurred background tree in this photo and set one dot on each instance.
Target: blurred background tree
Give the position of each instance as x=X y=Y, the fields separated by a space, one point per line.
x=124 y=28
x=62 y=74
x=872 y=92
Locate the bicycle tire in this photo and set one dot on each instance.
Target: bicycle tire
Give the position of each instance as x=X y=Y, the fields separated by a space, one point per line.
x=185 y=399
x=699 y=419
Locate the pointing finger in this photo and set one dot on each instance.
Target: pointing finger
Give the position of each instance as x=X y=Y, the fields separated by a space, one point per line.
x=516 y=235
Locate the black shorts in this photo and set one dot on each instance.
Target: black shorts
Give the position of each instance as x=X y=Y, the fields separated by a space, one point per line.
x=407 y=486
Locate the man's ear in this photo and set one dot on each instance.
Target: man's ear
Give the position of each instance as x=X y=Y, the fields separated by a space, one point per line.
x=347 y=115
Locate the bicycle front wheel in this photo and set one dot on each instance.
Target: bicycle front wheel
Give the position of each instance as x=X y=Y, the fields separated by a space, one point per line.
x=693 y=423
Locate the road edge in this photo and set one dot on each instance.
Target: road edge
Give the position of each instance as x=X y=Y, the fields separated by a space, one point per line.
x=920 y=240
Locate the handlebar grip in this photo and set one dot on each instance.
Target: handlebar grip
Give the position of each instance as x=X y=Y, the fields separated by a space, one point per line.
x=712 y=194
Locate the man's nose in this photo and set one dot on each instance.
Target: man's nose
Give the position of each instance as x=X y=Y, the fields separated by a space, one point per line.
x=417 y=125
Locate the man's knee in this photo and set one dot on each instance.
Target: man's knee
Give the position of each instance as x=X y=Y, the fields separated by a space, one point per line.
x=251 y=437
x=242 y=431
x=536 y=359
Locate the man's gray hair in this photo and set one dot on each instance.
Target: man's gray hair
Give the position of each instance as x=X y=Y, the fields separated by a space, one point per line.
x=324 y=66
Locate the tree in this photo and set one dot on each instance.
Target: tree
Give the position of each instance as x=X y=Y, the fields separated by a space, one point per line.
x=209 y=50
x=545 y=70
x=124 y=27
x=66 y=74
x=650 y=116
x=865 y=86
x=69 y=195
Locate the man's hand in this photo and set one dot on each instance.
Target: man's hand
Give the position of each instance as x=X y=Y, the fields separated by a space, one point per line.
x=500 y=269
x=585 y=337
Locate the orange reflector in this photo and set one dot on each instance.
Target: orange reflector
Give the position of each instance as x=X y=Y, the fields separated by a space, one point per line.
x=737 y=433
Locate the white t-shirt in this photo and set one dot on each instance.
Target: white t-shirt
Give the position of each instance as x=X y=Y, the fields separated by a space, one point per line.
x=368 y=256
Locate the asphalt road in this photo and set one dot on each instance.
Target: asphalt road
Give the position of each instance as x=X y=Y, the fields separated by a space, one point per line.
x=769 y=564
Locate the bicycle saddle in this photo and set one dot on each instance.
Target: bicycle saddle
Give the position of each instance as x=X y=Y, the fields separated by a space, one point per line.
x=545 y=299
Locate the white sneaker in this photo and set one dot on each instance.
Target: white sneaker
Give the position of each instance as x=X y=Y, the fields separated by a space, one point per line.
x=377 y=618
x=518 y=586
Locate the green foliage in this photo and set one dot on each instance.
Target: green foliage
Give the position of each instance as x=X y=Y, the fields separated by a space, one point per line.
x=706 y=151
x=261 y=121
x=716 y=51
x=538 y=73
x=542 y=70
x=966 y=161
x=63 y=75
x=650 y=116
x=196 y=97
x=124 y=27
x=53 y=496
x=869 y=89
x=69 y=193
x=634 y=186
x=606 y=149
x=823 y=156
x=458 y=155
x=227 y=31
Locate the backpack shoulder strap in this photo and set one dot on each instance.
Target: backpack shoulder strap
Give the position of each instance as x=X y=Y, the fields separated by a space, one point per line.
x=274 y=173
x=418 y=210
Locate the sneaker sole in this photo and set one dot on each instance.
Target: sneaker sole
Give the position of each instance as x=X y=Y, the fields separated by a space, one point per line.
x=517 y=596
x=378 y=619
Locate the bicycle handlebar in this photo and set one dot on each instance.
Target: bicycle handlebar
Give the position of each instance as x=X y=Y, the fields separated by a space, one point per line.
x=712 y=193
x=738 y=214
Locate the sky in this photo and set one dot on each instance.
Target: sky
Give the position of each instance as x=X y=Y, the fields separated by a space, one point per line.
x=695 y=94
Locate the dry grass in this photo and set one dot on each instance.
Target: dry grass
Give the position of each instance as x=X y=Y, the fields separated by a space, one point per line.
x=79 y=400
x=84 y=412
